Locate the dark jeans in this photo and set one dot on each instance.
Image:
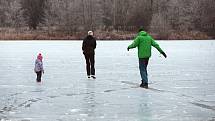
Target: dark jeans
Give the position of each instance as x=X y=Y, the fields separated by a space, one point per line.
x=39 y=75
x=90 y=64
x=143 y=63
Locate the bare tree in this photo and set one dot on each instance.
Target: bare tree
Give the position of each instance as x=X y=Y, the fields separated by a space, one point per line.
x=78 y=15
x=33 y=12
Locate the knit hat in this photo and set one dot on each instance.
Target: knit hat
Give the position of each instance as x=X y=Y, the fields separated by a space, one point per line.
x=40 y=57
x=90 y=33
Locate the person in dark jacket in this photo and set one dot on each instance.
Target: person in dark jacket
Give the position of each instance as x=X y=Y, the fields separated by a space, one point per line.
x=88 y=47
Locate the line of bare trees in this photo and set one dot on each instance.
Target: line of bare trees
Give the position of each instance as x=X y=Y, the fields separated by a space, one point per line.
x=127 y=15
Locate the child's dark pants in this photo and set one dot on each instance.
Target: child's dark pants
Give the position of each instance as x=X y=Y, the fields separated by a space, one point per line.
x=39 y=75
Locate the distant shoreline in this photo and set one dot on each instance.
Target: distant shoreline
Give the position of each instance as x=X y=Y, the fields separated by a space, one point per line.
x=97 y=40
x=10 y=34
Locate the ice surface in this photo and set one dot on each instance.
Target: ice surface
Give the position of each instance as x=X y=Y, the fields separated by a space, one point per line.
x=184 y=85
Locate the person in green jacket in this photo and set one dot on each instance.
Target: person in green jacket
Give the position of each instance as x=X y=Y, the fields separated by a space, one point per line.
x=144 y=42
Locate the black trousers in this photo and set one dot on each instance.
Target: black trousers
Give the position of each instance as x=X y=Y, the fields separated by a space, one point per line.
x=90 y=64
x=39 y=75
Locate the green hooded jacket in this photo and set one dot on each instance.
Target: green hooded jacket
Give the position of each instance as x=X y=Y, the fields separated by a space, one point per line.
x=144 y=42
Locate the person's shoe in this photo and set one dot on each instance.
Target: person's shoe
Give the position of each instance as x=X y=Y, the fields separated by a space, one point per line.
x=141 y=85
x=93 y=76
x=88 y=77
x=144 y=85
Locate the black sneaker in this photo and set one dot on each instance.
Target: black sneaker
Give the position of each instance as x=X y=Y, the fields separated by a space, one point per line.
x=141 y=85
x=88 y=77
x=144 y=85
x=94 y=77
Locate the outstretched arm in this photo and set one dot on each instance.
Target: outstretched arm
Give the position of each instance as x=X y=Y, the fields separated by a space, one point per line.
x=134 y=44
x=156 y=45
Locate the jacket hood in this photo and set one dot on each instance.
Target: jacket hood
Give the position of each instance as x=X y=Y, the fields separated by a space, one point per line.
x=143 y=33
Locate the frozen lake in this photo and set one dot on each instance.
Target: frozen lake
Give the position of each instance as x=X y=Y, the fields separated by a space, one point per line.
x=184 y=83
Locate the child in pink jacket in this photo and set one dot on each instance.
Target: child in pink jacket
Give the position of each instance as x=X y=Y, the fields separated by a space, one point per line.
x=39 y=67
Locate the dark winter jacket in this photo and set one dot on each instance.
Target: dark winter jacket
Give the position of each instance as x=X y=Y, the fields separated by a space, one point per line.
x=89 y=45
